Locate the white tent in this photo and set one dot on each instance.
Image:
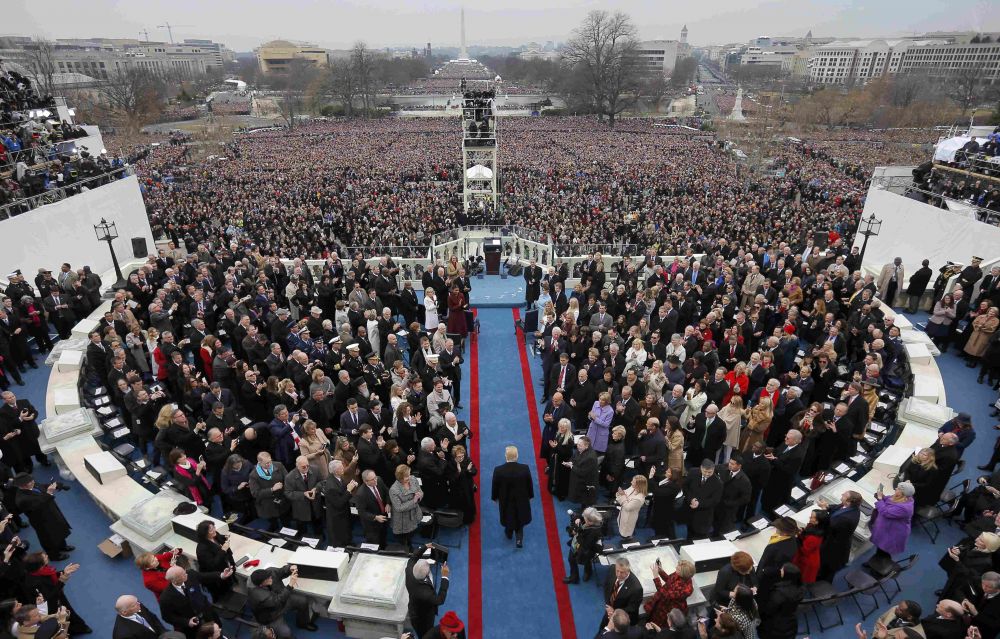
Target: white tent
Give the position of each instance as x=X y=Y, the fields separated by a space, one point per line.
x=479 y=172
x=946 y=149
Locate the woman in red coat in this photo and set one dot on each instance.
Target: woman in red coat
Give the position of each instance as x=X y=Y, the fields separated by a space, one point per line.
x=672 y=592
x=154 y=570
x=739 y=383
x=807 y=556
x=456 y=313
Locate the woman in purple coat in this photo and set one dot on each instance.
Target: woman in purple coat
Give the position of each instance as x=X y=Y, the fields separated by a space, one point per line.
x=600 y=422
x=890 y=523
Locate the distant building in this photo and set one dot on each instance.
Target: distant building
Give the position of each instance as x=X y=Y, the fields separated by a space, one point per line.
x=658 y=56
x=276 y=56
x=944 y=60
x=860 y=61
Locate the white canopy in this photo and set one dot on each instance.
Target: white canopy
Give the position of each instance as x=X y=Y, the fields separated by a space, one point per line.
x=945 y=149
x=479 y=172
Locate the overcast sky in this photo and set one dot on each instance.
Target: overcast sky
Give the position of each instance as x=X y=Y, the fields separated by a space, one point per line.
x=244 y=24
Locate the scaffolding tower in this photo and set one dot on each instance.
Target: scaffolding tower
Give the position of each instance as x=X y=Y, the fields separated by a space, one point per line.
x=480 y=127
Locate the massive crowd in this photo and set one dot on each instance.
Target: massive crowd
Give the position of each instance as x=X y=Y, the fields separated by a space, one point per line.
x=397 y=181
x=690 y=367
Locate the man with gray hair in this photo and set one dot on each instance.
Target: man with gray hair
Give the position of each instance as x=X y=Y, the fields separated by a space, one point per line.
x=184 y=605
x=702 y=494
x=337 y=497
x=984 y=607
x=135 y=621
x=431 y=466
x=424 y=599
x=622 y=592
x=372 y=502
x=785 y=465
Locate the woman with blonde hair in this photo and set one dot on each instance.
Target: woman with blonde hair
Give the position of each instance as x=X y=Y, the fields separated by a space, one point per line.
x=162 y=446
x=574 y=309
x=346 y=454
x=313 y=445
x=630 y=502
x=732 y=415
x=320 y=382
x=396 y=395
x=655 y=379
x=675 y=445
x=921 y=470
x=289 y=394
x=759 y=419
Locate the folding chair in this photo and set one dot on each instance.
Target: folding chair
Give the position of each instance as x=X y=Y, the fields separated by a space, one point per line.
x=823 y=594
x=862 y=583
x=928 y=516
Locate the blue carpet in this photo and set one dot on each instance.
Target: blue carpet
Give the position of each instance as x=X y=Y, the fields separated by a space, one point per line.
x=517 y=584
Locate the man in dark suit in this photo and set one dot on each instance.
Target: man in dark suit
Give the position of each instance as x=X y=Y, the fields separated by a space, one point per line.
x=984 y=608
x=372 y=501
x=450 y=363
x=19 y=416
x=135 y=621
x=835 y=552
x=337 y=496
x=183 y=606
x=708 y=436
x=98 y=356
x=562 y=376
x=736 y=491
x=513 y=492
x=424 y=599
x=532 y=283
x=269 y=599
x=702 y=494
x=59 y=312
x=622 y=591
x=947 y=621
x=758 y=470
x=352 y=419
x=785 y=467
x=552 y=346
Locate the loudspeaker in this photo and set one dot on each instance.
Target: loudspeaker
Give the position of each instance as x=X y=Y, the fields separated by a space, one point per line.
x=139 y=247
x=820 y=238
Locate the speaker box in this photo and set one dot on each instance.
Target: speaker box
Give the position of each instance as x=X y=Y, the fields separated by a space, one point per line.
x=821 y=239
x=139 y=247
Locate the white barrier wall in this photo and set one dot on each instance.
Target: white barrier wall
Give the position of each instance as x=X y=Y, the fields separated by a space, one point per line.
x=64 y=231
x=915 y=231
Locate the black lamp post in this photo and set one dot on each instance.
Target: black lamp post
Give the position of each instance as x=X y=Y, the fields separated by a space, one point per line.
x=869 y=227
x=107 y=232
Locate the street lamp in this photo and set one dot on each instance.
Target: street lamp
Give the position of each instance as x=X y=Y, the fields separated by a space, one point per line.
x=107 y=232
x=869 y=227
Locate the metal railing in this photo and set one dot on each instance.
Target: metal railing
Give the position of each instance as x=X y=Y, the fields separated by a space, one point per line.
x=59 y=193
x=903 y=185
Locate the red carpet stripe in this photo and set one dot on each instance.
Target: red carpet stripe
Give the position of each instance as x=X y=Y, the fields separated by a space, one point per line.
x=475 y=621
x=563 y=604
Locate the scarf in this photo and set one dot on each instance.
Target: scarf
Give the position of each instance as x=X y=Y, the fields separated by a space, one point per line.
x=266 y=476
x=197 y=486
x=47 y=571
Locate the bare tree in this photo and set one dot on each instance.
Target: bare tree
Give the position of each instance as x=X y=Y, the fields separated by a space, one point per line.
x=343 y=83
x=363 y=64
x=293 y=83
x=603 y=50
x=42 y=63
x=134 y=94
x=967 y=85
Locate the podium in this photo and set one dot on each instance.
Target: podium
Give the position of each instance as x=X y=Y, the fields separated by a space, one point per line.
x=492 y=248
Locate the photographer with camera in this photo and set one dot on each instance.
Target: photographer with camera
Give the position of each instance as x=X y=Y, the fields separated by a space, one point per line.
x=584 y=544
x=44 y=515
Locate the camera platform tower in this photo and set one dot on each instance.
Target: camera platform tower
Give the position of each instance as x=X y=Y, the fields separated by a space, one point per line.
x=480 y=127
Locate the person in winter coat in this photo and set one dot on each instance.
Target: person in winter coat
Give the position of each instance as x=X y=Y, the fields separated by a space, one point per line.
x=671 y=593
x=807 y=557
x=631 y=501
x=778 y=606
x=890 y=522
